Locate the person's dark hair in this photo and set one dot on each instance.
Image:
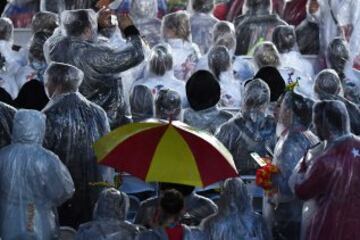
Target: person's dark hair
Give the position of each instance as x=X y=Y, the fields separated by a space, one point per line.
x=202 y=90
x=161 y=60
x=331 y=115
x=142 y=103
x=37 y=44
x=68 y=77
x=185 y=190
x=6 y=29
x=222 y=28
x=203 y=6
x=172 y=202
x=77 y=21
x=179 y=23
x=300 y=106
x=284 y=38
x=44 y=22
x=258 y=4
x=327 y=82
x=219 y=60
x=168 y=104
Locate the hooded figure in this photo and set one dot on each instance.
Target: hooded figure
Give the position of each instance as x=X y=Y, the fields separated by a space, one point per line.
x=160 y=74
x=109 y=219
x=168 y=105
x=284 y=38
x=331 y=179
x=203 y=93
x=7 y=114
x=100 y=64
x=220 y=63
x=235 y=218
x=10 y=62
x=21 y=12
x=196 y=207
x=30 y=78
x=33 y=182
x=252 y=130
x=338 y=56
x=256 y=26
x=144 y=13
x=73 y=126
x=282 y=210
x=176 y=31
x=202 y=23
x=141 y=103
x=328 y=87
x=307 y=35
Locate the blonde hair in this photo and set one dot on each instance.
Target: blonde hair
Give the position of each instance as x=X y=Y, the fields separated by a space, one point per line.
x=179 y=23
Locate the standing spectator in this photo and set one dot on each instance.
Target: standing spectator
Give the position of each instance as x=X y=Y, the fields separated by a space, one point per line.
x=33 y=182
x=100 y=64
x=7 y=114
x=73 y=126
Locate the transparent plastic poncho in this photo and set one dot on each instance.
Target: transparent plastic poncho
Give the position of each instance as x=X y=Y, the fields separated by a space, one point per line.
x=33 y=182
x=7 y=114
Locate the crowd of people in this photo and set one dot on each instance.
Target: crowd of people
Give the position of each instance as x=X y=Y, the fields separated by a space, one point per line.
x=279 y=79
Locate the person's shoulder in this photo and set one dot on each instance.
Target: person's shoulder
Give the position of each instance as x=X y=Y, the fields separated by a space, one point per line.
x=149 y=202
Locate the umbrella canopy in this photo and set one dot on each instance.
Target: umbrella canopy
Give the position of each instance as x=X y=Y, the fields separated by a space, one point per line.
x=158 y=151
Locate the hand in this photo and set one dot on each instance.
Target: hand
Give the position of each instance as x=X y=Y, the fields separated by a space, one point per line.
x=103 y=3
x=104 y=18
x=124 y=21
x=313 y=6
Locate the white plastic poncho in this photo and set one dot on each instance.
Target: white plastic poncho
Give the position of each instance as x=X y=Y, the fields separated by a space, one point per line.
x=7 y=114
x=33 y=182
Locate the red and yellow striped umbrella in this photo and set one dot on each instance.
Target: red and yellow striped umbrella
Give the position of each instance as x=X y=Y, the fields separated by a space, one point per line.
x=173 y=152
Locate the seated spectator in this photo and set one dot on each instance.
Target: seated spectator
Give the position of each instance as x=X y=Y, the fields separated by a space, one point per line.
x=141 y=103
x=30 y=78
x=176 y=31
x=220 y=63
x=160 y=74
x=109 y=219
x=203 y=93
x=196 y=207
x=202 y=23
x=168 y=105
x=33 y=182
x=45 y=22
x=172 y=204
x=236 y=218
x=73 y=126
x=7 y=114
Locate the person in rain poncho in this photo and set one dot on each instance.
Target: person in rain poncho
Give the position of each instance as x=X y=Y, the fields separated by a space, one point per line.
x=252 y=130
x=220 y=63
x=266 y=54
x=256 y=26
x=58 y=6
x=45 y=22
x=282 y=209
x=284 y=38
x=109 y=219
x=7 y=114
x=236 y=218
x=21 y=12
x=202 y=23
x=330 y=16
x=221 y=30
x=144 y=13
x=30 y=79
x=176 y=31
x=328 y=87
x=196 y=207
x=331 y=179
x=337 y=56
x=160 y=73
x=203 y=112
x=73 y=126
x=171 y=206
x=33 y=182
x=101 y=65
x=10 y=63
x=168 y=105
x=141 y=103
